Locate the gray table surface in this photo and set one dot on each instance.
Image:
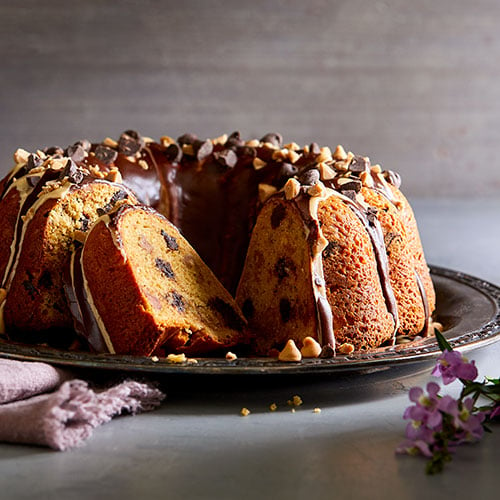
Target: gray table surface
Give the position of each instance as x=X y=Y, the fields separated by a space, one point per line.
x=197 y=446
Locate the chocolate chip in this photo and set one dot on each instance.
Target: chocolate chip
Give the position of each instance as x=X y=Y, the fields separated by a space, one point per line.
x=359 y=164
x=76 y=153
x=33 y=162
x=327 y=351
x=285 y=310
x=231 y=318
x=105 y=154
x=314 y=148
x=353 y=185
x=391 y=238
x=248 y=308
x=277 y=216
x=54 y=151
x=283 y=268
x=187 y=139
x=234 y=141
x=309 y=177
x=248 y=151
x=287 y=170
x=173 y=152
x=177 y=301
x=202 y=149
x=72 y=172
x=170 y=241
x=274 y=138
x=130 y=143
x=165 y=268
x=85 y=144
x=226 y=157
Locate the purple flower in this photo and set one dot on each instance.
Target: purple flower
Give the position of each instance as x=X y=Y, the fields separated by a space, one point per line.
x=495 y=413
x=468 y=425
x=416 y=447
x=452 y=365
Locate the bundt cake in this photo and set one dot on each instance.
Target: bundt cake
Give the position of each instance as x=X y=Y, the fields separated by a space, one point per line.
x=310 y=244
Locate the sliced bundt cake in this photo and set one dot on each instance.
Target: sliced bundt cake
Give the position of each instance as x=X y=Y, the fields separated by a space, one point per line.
x=138 y=287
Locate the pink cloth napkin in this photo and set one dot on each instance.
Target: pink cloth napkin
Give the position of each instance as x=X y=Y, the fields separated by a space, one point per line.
x=66 y=417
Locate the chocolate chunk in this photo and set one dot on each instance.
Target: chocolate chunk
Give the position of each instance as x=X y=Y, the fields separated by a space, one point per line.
x=359 y=164
x=117 y=196
x=234 y=141
x=371 y=214
x=287 y=170
x=202 y=149
x=85 y=223
x=33 y=162
x=46 y=280
x=248 y=308
x=54 y=151
x=170 y=241
x=173 y=152
x=277 y=216
x=226 y=157
x=285 y=310
x=85 y=144
x=393 y=178
x=32 y=180
x=177 y=301
x=165 y=268
x=349 y=194
x=353 y=185
x=314 y=148
x=327 y=352
x=283 y=268
x=309 y=177
x=130 y=143
x=187 y=139
x=330 y=249
x=231 y=318
x=30 y=288
x=76 y=153
x=274 y=138
x=105 y=154
x=72 y=172
x=248 y=151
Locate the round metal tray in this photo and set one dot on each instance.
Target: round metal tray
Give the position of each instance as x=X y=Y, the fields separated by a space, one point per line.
x=468 y=308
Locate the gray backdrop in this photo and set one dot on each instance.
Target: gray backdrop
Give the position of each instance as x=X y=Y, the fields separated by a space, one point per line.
x=412 y=84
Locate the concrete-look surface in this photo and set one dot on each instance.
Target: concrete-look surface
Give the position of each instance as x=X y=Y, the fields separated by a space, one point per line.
x=197 y=446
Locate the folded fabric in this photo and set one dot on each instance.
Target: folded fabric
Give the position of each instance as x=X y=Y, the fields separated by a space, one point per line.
x=65 y=418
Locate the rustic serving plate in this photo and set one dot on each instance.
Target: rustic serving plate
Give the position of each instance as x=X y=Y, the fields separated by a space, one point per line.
x=467 y=307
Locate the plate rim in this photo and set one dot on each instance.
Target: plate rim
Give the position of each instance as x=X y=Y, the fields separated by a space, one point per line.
x=374 y=360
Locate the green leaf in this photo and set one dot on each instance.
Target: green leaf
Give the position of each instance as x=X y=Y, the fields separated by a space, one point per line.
x=442 y=342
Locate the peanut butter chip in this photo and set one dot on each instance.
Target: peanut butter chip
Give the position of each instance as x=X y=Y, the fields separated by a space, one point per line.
x=21 y=156
x=273 y=407
x=244 y=412
x=292 y=189
x=258 y=163
x=155 y=359
x=317 y=410
x=290 y=352
x=165 y=140
x=230 y=356
x=339 y=153
x=176 y=358
x=310 y=348
x=346 y=348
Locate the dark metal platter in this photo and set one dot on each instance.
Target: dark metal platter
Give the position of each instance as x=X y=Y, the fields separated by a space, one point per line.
x=467 y=307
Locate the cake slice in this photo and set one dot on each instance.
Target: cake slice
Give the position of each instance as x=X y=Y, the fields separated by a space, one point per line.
x=141 y=289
